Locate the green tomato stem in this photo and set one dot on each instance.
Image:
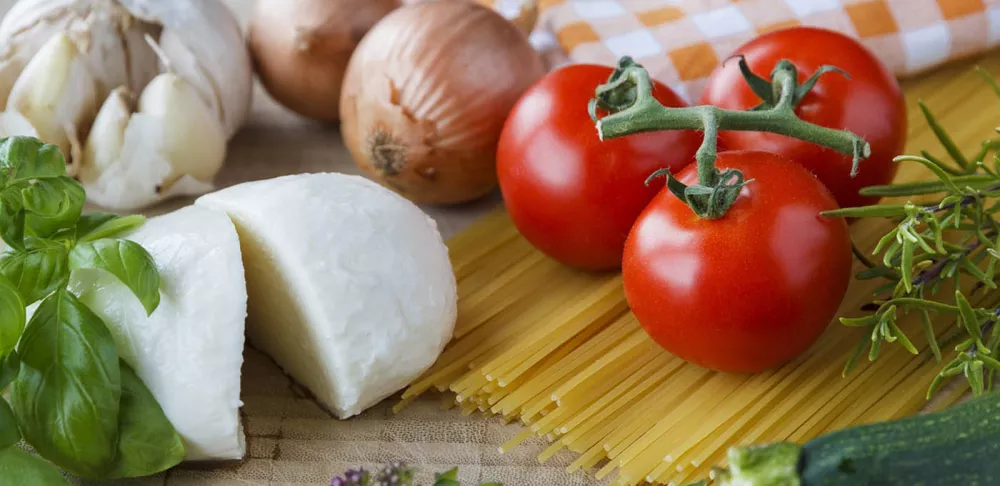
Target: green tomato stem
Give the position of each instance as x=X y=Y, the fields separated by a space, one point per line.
x=628 y=97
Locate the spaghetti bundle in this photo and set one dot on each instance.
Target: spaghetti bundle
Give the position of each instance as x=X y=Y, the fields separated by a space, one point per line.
x=558 y=351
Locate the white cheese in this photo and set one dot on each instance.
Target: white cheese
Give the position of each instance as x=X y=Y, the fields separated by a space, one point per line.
x=350 y=288
x=189 y=351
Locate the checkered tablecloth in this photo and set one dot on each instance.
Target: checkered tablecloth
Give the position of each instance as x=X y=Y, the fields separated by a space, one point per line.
x=681 y=41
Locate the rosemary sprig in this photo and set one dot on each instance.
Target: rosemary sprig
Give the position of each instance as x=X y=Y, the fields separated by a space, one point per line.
x=951 y=239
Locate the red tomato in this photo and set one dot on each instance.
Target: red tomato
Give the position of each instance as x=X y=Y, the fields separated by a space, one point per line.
x=571 y=195
x=869 y=104
x=747 y=291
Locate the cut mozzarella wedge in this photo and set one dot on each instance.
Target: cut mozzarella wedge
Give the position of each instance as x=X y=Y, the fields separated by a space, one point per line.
x=350 y=288
x=189 y=351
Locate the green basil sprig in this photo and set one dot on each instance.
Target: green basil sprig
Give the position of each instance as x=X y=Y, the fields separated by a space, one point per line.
x=72 y=398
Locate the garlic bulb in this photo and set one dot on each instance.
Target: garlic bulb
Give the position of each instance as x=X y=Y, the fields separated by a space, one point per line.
x=70 y=70
x=56 y=94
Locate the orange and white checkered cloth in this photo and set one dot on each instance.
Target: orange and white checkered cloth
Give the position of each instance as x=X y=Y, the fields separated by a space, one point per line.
x=681 y=41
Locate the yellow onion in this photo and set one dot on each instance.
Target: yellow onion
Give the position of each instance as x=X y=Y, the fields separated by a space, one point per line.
x=300 y=49
x=426 y=94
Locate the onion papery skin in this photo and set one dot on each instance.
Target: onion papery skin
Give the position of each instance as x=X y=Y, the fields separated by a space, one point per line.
x=300 y=49
x=426 y=95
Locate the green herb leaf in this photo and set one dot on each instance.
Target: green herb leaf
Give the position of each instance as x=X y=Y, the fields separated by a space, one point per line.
x=874 y=350
x=877 y=211
x=29 y=469
x=147 y=442
x=24 y=158
x=939 y=163
x=937 y=169
x=11 y=317
x=9 y=368
x=53 y=204
x=852 y=360
x=943 y=137
x=124 y=259
x=9 y=435
x=903 y=339
x=36 y=272
x=448 y=478
x=880 y=271
x=925 y=320
x=12 y=219
x=94 y=226
x=906 y=265
x=990 y=362
x=860 y=321
x=66 y=395
x=969 y=317
x=925 y=187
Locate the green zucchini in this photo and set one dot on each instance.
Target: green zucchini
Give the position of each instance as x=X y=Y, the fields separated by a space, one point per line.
x=957 y=446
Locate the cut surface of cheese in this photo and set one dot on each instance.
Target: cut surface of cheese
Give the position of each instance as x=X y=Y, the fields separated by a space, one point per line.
x=350 y=288
x=189 y=351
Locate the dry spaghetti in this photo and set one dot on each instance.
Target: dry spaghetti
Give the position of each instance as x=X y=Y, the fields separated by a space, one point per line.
x=557 y=350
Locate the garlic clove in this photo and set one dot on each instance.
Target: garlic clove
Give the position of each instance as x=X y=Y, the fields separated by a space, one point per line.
x=179 y=60
x=107 y=135
x=56 y=93
x=14 y=124
x=193 y=140
x=142 y=174
x=10 y=69
x=129 y=181
x=172 y=146
x=212 y=36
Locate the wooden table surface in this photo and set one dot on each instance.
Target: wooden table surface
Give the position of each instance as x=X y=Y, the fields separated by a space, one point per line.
x=292 y=441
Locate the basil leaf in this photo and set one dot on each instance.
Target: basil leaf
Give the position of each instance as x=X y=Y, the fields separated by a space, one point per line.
x=52 y=204
x=66 y=395
x=23 y=158
x=147 y=442
x=125 y=259
x=9 y=367
x=37 y=272
x=29 y=469
x=11 y=316
x=12 y=219
x=94 y=226
x=9 y=435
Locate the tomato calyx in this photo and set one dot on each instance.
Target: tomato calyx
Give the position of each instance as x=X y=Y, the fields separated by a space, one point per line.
x=627 y=98
x=770 y=92
x=709 y=200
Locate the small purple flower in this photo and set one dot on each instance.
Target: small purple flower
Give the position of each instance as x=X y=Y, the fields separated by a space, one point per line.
x=395 y=474
x=353 y=477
